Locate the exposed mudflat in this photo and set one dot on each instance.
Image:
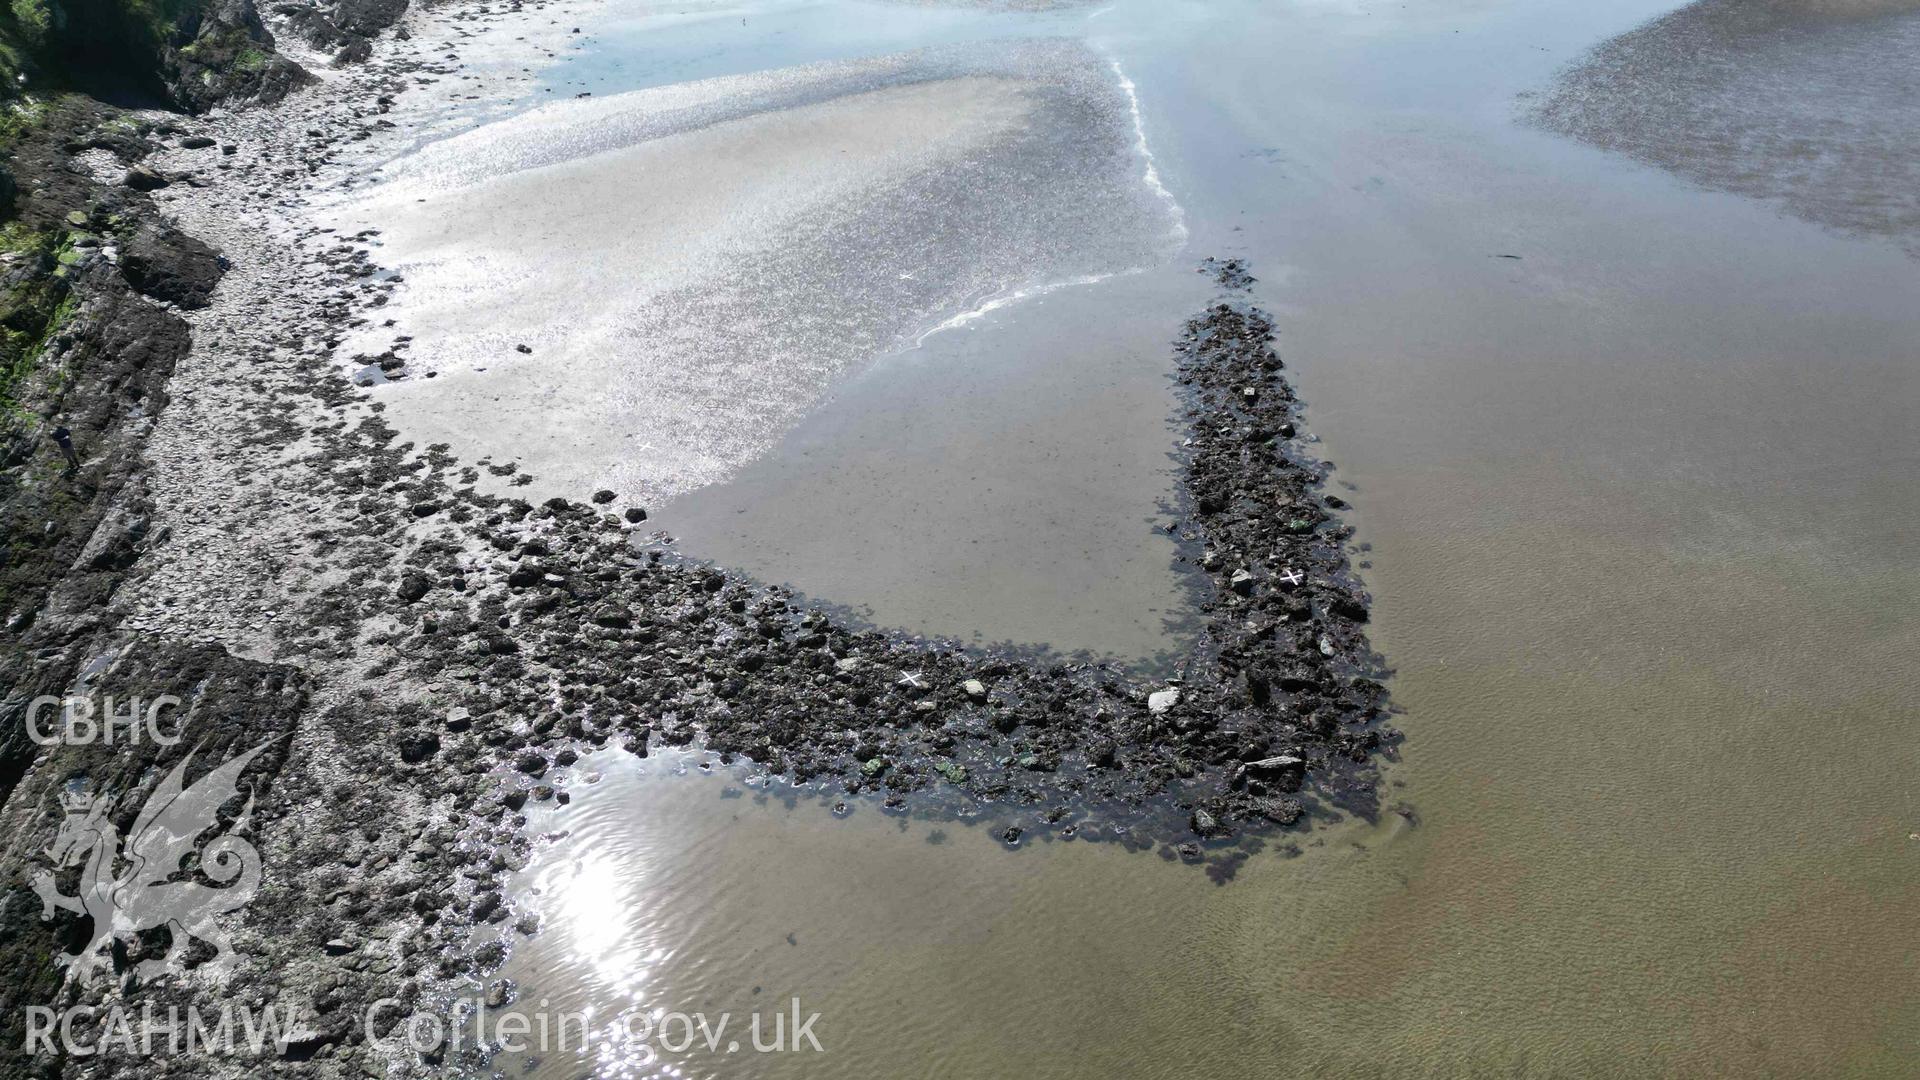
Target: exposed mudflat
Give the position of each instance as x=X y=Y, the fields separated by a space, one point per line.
x=1811 y=104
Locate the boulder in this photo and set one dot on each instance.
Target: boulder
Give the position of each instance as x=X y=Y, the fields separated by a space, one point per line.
x=613 y=617
x=366 y=17
x=354 y=49
x=413 y=585
x=167 y=264
x=418 y=746
x=1204 y=824
x=141 y=178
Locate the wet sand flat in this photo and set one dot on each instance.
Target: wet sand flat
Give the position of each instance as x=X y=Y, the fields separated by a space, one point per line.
x=691 y=268
x=1009 y=481
x=570 y=258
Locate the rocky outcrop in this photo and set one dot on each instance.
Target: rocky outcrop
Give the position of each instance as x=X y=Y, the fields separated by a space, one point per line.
x=344 y=28
x=167 y=264
x=221 y=52
x=88 y=344
x=245 y=704
x=189 y=55
x=367 y=17
x=71 y=535
x=84 y=350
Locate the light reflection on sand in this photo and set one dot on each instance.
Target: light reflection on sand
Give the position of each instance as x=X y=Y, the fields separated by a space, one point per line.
x=692 y=267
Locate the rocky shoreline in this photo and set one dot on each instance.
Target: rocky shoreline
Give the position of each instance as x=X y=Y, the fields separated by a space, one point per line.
x=425 y=658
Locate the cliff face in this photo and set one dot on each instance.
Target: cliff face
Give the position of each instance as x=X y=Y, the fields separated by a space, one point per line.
x=91 y=276
x=182 y=54
x=188 y=55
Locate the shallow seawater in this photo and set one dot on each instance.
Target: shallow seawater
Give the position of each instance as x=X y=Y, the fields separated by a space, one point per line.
x=1007 y=482
x=677 y=887
x=637 y=46
x=1632 y=449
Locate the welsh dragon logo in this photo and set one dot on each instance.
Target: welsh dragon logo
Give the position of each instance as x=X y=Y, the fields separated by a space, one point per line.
x=143 y=896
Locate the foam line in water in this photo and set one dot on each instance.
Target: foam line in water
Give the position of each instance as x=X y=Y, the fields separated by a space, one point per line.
x=1151 y=176
x=1006 y=297
x=1146 y=153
